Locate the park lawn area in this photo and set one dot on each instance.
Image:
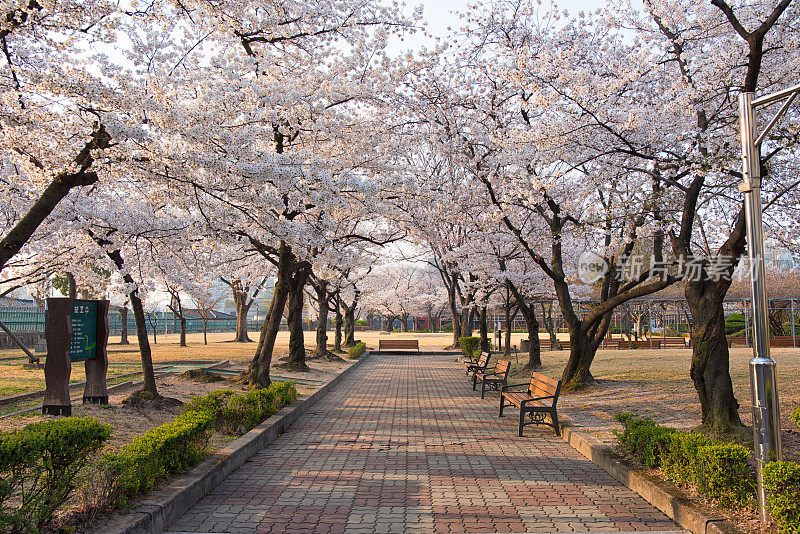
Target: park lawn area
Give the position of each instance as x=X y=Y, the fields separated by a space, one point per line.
x=15 y=379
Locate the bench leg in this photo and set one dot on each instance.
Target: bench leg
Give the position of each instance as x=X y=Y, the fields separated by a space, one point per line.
x=501 y=403
x=554 y=416
x=521 y=420
x=474 y=380
x=483 y=388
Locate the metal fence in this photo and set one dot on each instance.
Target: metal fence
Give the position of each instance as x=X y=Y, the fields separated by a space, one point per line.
x=28 y=319
x=23 y=319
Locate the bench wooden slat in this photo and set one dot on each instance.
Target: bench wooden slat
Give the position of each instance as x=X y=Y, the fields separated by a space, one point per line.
x=393 y=344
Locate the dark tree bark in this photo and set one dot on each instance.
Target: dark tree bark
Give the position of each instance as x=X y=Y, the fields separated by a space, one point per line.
x=123 y=317
x=243 y=301
x=205 y=330
x=529 y=314
x=321 y=289
x=297 y=349
x=350 y=322
x=338 y=320
x=404 y=322
x=61 y=185
x=138 y=314
x=484 y=330
x=257 y=373
x=144 y=344
x=72 y=287
x=176 y=306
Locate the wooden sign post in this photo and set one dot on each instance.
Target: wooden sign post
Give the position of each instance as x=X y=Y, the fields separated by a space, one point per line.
x=57 y=366
x=76 y=330
x=91 y=318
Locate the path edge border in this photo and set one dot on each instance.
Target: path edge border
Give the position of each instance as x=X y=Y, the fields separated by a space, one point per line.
x=173 y=500
x=666 y=497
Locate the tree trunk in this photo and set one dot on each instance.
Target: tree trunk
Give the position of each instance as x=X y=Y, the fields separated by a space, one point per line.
x=297 y=349
x=484 y=330
x=240 y=300
x=144 y=345
x=72 y=287
x=257 y=373
x=205 y=329
x=321 y=289
x=451 y=298
x=547 y=320
x=466 y=326
x=390 y=323
x=337 y=322
x=535 y=352
x=350 y=324
x=710 y=359
x=123 y=317
x=183 y=331
x=61 y=185
x=529 y=314
x=404 y=322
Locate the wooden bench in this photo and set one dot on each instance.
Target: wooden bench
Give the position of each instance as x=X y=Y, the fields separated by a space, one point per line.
x=638 y=344
x=560 y=345
x=495 y=379
x=674 y=342
x=538 y=401
x=782 y=341
x=779 y=341
x=478 y=365
x=398 y=344
x=737 y=340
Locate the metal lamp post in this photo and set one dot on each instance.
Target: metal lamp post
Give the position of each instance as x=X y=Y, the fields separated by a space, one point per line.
x=763 y=383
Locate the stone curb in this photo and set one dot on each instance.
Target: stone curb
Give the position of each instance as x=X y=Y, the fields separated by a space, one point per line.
x=670 y=500
x=169 y=503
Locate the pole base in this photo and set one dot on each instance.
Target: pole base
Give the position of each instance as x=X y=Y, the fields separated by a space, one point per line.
x=56 y=409
x=103 y=399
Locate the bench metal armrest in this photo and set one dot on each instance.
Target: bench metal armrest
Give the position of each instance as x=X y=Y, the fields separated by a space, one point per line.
x=539 y=398
x=491 y=374
x=506 y=388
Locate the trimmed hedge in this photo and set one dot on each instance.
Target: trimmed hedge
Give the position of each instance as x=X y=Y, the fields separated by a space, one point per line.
x=719 y=470
x=181 y=444
x=162 y=451
x=238 y=413
x=469 y=346
x=796 y=416
x=782 y=481
x=38 y=466
x=357 y=350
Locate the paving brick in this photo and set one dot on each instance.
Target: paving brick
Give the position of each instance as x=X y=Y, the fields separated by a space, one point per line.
x=404 y=445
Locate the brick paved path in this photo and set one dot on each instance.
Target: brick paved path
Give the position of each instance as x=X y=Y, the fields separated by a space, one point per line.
x=403 y=444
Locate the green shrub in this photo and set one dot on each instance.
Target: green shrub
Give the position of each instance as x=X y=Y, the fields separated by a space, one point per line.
x=680 y=457
x=38 y=465
x=722 y=472
x=643 y=439
x=469 y=345
x=357 y=350
x=238 y=413
x=165 y=450
x=719 y=470
x=782 y=481
x=796 y=416
x=734 y=323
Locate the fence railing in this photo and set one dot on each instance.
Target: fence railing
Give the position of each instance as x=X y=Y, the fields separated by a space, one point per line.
x=23 y=319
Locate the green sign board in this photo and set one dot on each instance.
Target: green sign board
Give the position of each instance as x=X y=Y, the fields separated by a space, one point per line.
x=83 y=345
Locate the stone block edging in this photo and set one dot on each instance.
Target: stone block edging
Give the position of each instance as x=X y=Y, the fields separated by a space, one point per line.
x=170 y=502
x=670 y=500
